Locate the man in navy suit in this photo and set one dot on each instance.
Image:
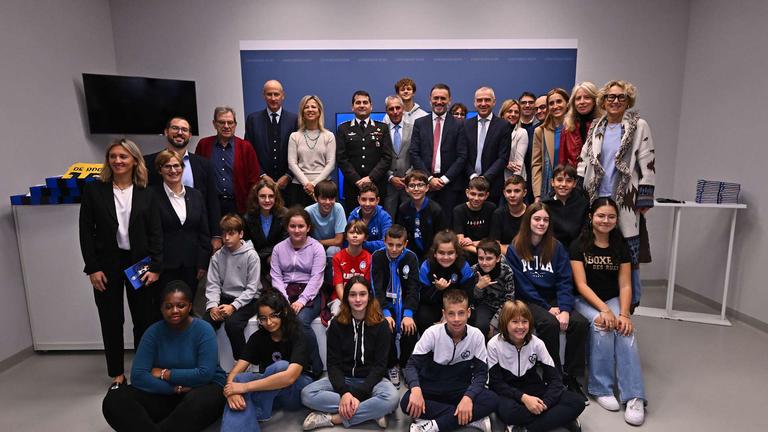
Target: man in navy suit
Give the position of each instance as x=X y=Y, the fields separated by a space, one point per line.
x=197 y=173
x=436 y=149
x=268 y=131
x=488 y=141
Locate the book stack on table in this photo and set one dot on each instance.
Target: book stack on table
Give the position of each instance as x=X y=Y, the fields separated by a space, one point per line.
x=717 y=192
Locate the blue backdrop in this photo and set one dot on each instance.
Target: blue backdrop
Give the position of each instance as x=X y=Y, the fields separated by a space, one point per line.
x=335 y=74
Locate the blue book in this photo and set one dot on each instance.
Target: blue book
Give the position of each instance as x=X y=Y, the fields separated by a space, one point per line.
x=136 y=271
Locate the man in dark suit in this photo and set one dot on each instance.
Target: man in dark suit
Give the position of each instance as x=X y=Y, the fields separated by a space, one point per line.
x=436 y=149
x=363 y=150
x=268 y=131
x=400 y=131
x=488 y=139
x=232 y=159
x=197 y=173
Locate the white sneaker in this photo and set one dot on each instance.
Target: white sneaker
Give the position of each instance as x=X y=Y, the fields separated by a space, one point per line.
x=484 y=424
x=635 y=412
x=394 y=376
x=316 y=420
x=382 y=422
x=608 y=402
x=424 y=426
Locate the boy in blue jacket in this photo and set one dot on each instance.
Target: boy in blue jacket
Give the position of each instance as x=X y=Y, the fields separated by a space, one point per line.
x=370 y=212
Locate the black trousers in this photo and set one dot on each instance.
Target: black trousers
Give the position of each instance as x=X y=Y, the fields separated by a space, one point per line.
x=426 y=315
x=132 y=410
x=228 y=205
x=295 y=195
x=548 y=330
x=512 y=412
x=483 y=314
x=234 y=325
x=141 y=302
x=407 y=343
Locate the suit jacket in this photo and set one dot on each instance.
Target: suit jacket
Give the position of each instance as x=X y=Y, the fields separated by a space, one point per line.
x=187 y=245
x=205 y=182
x=273 y=160
x=264 y=244
x=401 y=161
x=495 y=151
x=245 y=169
x=453 y=151
x=360 y=154
x=98 y=229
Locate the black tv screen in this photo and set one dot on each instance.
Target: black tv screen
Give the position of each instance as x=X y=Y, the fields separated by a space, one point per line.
x=137 y=105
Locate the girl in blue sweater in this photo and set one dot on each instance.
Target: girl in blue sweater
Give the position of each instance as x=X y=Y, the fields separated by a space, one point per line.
x=177 y=381
x=543 y=280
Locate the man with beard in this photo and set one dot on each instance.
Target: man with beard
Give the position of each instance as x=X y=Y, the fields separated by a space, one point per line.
x=197 y=172
x=232 y=159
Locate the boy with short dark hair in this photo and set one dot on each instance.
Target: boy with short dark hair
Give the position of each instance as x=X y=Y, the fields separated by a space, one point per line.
x=505 y=221
x=395 y=280
x=447 y=373
x=349 y=262
x=328 y=223
x=233 y=284
x=567 y=210
x=495 y=285
x=472 y=219
x=374 y=215
x=420 y=216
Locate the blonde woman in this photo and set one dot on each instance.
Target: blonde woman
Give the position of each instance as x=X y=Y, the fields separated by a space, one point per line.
x=510 y=111
x=582 y=110
x=311 y=152
x=119 y=226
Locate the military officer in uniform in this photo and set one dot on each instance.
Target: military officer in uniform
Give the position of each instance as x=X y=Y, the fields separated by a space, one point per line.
x=363 y=150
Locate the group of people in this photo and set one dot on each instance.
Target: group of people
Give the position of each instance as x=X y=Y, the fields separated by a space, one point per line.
x=410 y=281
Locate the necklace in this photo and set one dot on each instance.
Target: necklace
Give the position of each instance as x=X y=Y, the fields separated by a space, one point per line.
x=121 y=189
x=314 y=140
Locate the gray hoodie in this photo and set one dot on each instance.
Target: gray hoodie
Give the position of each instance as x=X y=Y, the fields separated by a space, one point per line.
x=234 y=273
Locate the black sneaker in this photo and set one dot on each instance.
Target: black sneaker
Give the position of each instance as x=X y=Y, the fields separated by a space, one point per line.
x=574 y=386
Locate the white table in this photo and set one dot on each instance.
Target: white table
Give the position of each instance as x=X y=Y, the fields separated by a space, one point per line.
x=667 y=311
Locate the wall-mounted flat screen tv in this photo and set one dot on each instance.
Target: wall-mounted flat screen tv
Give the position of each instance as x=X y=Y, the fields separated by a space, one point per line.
x=137 y=105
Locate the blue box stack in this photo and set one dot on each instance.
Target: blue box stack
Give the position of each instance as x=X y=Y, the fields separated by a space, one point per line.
x=56 y=190
x=717 y=192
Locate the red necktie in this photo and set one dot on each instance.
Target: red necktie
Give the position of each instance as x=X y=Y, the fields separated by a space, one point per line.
x=436 y=142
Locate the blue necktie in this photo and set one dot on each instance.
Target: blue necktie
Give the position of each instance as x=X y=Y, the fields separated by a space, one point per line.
x=398 y=139
x=187 y=179
x=480 y=145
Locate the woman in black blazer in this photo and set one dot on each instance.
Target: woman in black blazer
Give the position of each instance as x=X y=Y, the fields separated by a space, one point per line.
x=265 y=209
x=119 y=226
x=186 y=237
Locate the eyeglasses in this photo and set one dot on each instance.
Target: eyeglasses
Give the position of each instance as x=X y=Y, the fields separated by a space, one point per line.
x=171 y=167
x=273 y=316
x=613 y=97
x=226 y=123
x=527 y=102
x=179 y=129
x=541 y=108
x=417 y=186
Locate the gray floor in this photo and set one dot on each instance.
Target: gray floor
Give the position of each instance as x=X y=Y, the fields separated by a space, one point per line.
x=698 y=377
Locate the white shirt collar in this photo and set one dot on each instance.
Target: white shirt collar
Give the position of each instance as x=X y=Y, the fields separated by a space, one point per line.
x=172 y=194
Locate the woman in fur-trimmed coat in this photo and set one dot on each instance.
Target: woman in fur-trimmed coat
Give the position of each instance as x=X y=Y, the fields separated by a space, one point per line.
x=618 y=161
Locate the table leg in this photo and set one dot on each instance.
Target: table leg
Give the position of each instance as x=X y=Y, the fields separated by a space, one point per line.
x=673 y=260
x=726 y=283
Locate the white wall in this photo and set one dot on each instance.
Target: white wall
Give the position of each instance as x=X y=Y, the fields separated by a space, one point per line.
x=722 y=137
x=643 y=42
x=44 y=45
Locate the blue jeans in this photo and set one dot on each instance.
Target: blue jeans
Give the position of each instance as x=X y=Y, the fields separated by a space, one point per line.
x=306 y=316
x=260 y=404
x=612 y=357
x=320 y=396
x=637 y=287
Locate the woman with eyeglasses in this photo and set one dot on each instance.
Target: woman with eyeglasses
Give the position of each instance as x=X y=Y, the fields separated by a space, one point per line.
x=120 y=226
x=510 y=111
x=281 y=350
x=176 y=379
x=458 y=111
x=582 y=110
x=618 y=160
x=546 y=143
x=184 y=218
x=311 y=152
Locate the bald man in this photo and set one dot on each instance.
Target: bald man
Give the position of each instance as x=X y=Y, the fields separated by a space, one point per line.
x=268 y=131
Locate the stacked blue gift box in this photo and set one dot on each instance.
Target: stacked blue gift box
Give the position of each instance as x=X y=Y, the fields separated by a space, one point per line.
x=56 y=190
x=717 y=192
